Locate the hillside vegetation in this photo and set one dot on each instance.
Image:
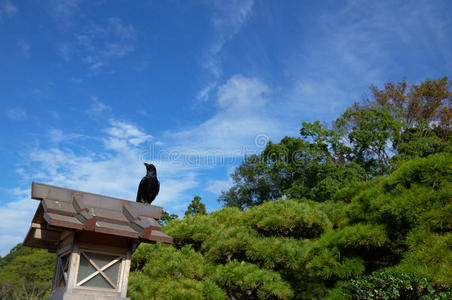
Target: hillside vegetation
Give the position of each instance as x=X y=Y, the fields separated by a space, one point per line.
x=303 y=249
x=361 y=210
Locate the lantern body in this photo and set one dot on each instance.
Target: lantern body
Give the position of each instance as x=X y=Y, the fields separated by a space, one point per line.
x=93 y=237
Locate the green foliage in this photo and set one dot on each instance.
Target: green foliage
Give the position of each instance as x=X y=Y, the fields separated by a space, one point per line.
x=288 y=218
x=196 y=207
x=229 y=243
x=429 y=255
x=276 y=253
x=252 y=184
x=391 y=284
x=166 y=217
x=329 y=256
x=247 y=281
x=397 y=123
x=369 y=131
x=192 y=231
x=419 y=192
x=26 y=273
x=162 y=272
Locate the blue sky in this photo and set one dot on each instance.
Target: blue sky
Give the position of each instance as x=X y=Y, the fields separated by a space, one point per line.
x=91 y=89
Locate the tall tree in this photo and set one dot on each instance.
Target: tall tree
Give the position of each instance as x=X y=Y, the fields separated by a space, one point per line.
x=253 y=184
x=390 y=126
x=196 y=207
x=399 y=122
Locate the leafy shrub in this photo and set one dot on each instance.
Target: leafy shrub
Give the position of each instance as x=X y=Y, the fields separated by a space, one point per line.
x=247 y=281
x=429 y=255
x=391 y=284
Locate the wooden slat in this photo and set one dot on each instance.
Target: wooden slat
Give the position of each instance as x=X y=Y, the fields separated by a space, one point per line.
x=59 y=207
x=124 y=279
x=115 y=229
x=63 y=221
x=135 y=210
x=159 y=236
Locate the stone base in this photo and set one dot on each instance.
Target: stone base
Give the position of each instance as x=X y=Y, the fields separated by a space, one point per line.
x=78 y=296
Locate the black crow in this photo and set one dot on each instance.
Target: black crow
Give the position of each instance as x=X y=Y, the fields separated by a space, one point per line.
x=149 y=186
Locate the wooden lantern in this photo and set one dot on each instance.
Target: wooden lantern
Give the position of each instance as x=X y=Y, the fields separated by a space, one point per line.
x=93 y=237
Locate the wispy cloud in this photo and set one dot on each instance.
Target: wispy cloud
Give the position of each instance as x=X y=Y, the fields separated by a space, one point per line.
x=362 y=43
x=121 y=30
x=23 y=47
x=7 y=9
x=218 y=186
x=124 y=133
x=228 y=17
x=64 y=11
x=58 y=136
x=242 y=115
x=227 y=20
x=113 y=169
x=97 y=43
x=98 y=107
x=16 y=113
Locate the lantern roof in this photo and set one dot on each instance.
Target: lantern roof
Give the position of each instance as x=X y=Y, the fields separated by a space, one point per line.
x=63 y=209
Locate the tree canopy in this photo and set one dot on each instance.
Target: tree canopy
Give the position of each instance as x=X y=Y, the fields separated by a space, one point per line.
x=372 y=138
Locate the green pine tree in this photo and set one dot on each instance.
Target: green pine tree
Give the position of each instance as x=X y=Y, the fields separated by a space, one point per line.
x=196 y=207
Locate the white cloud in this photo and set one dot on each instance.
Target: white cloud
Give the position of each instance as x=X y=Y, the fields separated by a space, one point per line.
x=65 y=50
x=64 y=11
x=241 y=94
x=203 y=95
x=57 y=136
x=218 y=186
x=122 y=31
x=96 y=43
x=98 y=106
x=121 y=131
x=118 y=49
x=7 y=9
x=227 y=19
x=16 y=113
x=369 y=39
x=15 y=219
x=113 y=169
x=242 y=116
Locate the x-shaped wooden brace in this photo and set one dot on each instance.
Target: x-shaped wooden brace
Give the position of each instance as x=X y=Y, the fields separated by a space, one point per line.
x=63 y=269
x=99 y=270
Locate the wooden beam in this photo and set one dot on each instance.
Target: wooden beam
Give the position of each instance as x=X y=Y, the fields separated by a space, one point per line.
x=46 y=235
